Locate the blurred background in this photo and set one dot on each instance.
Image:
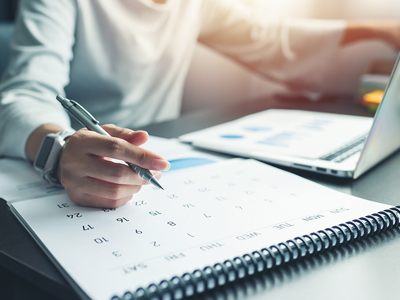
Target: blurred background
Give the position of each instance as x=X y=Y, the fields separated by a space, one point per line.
x=214 y=79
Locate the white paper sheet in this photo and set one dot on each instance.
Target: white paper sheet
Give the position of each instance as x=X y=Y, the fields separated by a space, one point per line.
x=19 y=180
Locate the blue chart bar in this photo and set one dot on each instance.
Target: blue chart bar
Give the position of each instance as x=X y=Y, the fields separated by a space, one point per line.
x=183 y=163
x=232 y=136
x=257 y=128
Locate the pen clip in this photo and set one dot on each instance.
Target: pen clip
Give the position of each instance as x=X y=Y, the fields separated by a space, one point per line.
x=84 y=111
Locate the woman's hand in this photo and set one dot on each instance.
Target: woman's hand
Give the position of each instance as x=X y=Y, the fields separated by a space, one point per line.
x=90 y=177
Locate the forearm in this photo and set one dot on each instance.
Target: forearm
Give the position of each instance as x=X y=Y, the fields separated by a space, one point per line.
x=38 y=70
x=36 y=138
x=292 y=51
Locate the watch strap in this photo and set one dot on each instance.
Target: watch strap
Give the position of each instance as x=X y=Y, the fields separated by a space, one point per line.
x=47 y=159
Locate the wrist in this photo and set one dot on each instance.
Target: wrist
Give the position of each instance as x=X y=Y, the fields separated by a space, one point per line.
x=47 y=158
x=386 y=31
x=357 y=31
x=35 y=139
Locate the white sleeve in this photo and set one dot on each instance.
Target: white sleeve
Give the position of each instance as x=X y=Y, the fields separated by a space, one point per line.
x=41 y=52
x=293 y=51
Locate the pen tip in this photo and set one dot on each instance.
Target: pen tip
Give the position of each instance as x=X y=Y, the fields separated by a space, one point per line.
x=156 y=183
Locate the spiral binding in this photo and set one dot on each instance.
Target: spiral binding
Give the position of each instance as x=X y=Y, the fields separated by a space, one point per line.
x=265 y=259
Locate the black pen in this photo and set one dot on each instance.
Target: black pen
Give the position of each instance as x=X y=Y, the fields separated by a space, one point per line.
x=87 y=120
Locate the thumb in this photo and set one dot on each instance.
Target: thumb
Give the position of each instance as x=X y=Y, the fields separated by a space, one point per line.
x=136 y=138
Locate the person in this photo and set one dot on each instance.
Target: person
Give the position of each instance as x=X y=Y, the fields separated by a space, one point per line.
x=126 y=62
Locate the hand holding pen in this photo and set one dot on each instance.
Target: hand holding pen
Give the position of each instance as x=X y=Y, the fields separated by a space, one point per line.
x=87 y=173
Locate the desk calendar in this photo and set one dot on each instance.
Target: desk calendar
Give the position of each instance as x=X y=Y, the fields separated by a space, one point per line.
x=212 y=224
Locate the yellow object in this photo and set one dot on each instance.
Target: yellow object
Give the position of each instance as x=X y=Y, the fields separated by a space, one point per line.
x=373 y=98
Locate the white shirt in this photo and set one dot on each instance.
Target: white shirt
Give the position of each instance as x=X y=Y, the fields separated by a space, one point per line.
x=126 y=61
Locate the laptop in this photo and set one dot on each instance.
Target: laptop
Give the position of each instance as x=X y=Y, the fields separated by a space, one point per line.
x=333 y=144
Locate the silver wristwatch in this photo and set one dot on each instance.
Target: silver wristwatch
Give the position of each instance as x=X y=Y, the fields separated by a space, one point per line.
x=47 y=158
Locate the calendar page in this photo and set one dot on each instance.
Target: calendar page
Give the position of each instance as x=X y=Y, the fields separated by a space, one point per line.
x=205 y=215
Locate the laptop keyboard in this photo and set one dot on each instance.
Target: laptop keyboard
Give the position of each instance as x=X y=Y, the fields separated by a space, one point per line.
x=346 y=151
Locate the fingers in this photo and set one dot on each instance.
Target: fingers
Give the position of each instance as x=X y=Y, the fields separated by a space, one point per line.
x=99 y=168
x=102 y=170
x=104 y=189
x=93 y=201
x=136 y=138
x=96 y=193
x=116 y=148
x=92 y=179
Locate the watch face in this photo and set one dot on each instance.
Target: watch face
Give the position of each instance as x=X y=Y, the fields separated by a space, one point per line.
x=44 y=152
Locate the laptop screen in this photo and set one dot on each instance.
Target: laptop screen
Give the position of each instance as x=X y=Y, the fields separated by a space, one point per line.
x=384 y=137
